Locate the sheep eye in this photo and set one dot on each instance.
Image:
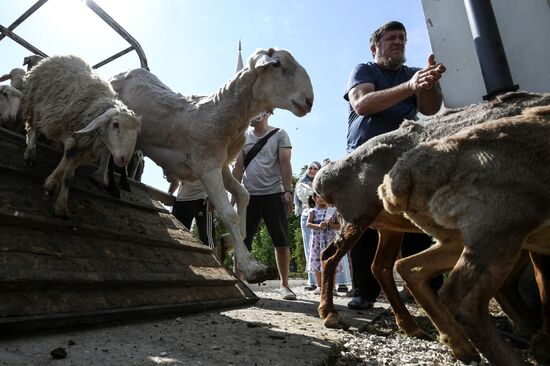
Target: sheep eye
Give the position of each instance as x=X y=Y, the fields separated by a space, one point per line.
x=115 y=125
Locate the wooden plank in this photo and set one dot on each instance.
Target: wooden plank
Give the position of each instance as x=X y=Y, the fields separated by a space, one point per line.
x=111 y=260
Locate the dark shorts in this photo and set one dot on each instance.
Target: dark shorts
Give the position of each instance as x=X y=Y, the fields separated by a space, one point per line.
x=186 y=211
x=272 y=209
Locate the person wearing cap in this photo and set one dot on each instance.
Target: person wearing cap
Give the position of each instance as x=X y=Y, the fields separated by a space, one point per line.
x=268 y=179
x=381 y=94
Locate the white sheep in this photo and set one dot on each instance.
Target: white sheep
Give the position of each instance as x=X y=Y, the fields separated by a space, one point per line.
x=10 y=100
x=17 y=78
x=197 y=137
x=68 y=103
x=486 y=187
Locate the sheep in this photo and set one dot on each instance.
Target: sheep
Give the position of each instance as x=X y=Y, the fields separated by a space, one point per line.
x=18 y=81
x=197 y=137
x=10 y=100
x=31 y=61
x=351 y=185
x=17 y=78
x=68 y=103
x=486 y=186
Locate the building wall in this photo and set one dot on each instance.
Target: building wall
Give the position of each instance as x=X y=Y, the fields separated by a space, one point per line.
x=525 y=32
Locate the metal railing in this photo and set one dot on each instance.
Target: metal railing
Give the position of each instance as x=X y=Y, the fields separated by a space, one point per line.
x=134 y=45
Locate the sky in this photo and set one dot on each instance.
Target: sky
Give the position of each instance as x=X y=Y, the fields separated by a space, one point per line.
x=192 y=46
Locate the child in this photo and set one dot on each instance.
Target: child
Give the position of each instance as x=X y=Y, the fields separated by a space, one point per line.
x=323 y=222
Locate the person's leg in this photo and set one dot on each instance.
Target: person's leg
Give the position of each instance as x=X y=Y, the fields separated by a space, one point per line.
x=276 y=222
x=184 y=212
x=282 y=257
x=253 y=217
x=204 y=222
x=343 y=278
x=305 y=241
x=366 y=286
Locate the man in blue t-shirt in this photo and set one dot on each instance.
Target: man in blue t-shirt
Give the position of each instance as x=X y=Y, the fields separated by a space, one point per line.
x=381 y=94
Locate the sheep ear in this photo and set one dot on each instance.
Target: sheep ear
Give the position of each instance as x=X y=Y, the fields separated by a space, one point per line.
x=265 y=60
x=5 y=77
x=99 y=121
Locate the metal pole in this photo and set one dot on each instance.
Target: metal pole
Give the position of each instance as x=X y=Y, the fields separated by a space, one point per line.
x=490 y=51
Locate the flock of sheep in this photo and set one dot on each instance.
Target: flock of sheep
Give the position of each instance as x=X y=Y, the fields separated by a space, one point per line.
x=190 y=137
x=476 y=179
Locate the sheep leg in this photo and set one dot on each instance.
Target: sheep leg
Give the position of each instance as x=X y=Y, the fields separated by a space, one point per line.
x=416 y=271
x=30 y=150
x=510 y=300
x=254 y=272
x=540 y=343
x=348 y=236
x=389 y=245
x=240 y=193
x=54 y=180
x=476 y=278
x=100 y=176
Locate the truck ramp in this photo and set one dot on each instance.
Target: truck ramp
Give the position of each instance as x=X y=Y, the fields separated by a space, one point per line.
x=112 y=260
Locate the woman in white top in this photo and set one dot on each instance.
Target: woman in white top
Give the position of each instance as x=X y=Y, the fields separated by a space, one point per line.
x=302 y=191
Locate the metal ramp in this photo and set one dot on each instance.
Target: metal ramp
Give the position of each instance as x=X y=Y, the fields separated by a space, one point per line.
x=113 y=259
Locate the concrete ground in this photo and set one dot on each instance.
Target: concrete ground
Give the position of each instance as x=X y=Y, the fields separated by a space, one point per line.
x=272 y=332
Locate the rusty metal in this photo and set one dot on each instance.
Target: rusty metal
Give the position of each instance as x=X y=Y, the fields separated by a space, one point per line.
x=134 y=44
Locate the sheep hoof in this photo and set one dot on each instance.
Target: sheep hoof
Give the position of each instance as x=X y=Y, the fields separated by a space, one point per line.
x=334 y=321
x=262 y=274
x=540 y=348
x=462 y=350
x=50 y=187
x=61 y=212
x=30 y=158
x=113 y=190
x=124 y=184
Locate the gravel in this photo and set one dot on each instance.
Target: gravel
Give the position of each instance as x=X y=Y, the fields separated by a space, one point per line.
x=271 y=332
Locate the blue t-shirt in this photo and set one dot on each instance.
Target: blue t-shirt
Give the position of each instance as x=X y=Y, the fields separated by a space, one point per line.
x=363 y=128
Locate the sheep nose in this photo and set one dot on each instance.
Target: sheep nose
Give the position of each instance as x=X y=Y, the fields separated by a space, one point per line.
x=309 y=102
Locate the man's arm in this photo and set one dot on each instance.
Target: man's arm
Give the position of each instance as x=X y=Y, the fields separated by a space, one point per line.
x=286 y=175
x=238 y=169
x=173 y=186
x=365 y=100
x=238 y=172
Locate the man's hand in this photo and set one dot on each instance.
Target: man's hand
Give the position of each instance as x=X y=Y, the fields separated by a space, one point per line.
x=427 y=77
x=288 y=199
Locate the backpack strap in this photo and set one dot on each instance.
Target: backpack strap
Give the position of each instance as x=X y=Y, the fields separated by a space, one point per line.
x=257 y=147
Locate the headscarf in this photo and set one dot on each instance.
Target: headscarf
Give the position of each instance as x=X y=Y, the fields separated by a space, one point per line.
x=304 y=178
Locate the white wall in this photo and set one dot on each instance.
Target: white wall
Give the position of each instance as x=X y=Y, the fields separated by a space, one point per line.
x=525 y=32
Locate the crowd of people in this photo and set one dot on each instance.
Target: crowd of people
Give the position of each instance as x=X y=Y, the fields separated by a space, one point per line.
x=380 y=95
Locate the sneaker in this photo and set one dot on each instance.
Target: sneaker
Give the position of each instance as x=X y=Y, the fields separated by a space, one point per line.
x=287 y=294
x=358 y=303
x=342 y=288
x=310 y=287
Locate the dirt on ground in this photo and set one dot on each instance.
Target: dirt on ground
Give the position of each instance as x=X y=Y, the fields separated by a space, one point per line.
x=271 y=332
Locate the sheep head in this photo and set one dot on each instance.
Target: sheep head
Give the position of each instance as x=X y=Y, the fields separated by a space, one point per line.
x=281 y=82
x=118 y=127
x=10 y=99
